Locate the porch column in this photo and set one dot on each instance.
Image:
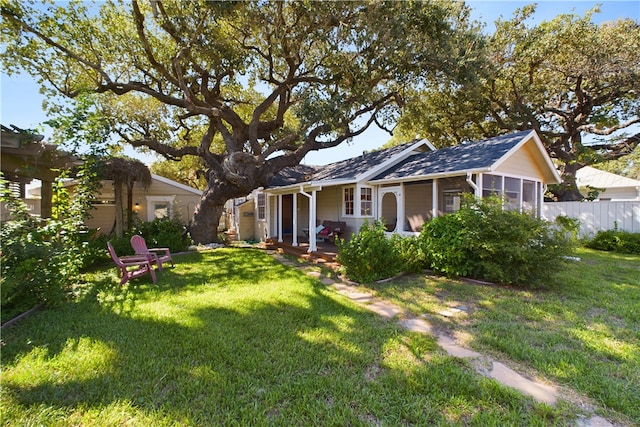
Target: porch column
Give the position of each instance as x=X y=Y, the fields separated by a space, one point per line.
x=312 y=223
x=46 y=195
x=267 y=216
x=295 y=220
x=312 y=219
x=434 y=198
x=280 y=218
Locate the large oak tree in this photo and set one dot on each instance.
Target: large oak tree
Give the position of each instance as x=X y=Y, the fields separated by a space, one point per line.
x=271 y=80
x=575 y=82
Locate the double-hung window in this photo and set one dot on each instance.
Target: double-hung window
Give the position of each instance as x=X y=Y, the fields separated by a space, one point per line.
x=348 y=200
x=366 y=201
x=262 y=206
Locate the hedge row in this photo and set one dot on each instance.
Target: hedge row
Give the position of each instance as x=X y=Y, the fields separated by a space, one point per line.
x=481 y=241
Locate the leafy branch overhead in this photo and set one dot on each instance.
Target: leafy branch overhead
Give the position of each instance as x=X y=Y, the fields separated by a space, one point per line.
x=249 y=87
x=575 y=82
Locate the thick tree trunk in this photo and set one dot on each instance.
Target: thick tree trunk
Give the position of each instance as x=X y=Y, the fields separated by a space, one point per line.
x=206 y=218
x=130 y=206
x=567 y=191
x=117 y=191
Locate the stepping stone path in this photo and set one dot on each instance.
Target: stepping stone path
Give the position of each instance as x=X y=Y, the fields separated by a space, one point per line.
x=484 y=365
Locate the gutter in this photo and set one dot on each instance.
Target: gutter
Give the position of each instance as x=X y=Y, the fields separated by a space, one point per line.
x=472 y=184
x=430 y=176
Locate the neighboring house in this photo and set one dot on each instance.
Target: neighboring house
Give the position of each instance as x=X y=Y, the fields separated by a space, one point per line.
x=611 y=187
x=404 y=186
x=163 y=198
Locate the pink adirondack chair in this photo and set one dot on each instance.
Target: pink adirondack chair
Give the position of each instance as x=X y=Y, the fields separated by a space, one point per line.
x=155 y=255
x=132 y=266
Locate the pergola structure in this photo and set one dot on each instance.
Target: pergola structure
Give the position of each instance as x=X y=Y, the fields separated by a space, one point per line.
x=25 y=157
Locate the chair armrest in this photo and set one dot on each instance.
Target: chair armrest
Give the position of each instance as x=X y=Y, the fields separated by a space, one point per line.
x=134 y=260
x=158 y=249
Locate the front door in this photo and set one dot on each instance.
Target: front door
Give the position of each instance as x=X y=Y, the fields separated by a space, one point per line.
x=287 y=214
x=390 y=207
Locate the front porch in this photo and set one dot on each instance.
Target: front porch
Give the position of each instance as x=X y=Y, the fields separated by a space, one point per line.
x=326 y=252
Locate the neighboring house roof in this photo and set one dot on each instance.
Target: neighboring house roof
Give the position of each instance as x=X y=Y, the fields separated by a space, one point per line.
x=176 y=184
x=600 y=179
x=35 y=191
x=420 y=160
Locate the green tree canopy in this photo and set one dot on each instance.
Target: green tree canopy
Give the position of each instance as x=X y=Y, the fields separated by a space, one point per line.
x=312 y=74
x=575 y=82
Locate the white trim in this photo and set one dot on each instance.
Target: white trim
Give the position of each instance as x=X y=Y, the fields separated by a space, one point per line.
x=397 y=192
x=429 y=176
x=151 y=211
x=355 y=201
x=359 y=197
x=176 y=184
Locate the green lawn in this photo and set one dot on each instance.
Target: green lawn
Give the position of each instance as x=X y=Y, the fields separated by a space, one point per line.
x=584 y=333
x=232 y=337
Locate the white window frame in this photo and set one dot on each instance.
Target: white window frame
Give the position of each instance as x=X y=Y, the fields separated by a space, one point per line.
x=262 y=214
x=353 y=201
x=362 y=202
x=537 y=197
x=151 y=200
x=456 y=194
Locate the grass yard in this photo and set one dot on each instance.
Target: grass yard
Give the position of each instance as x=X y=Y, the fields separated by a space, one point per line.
x=232 y=337
x=584 y=333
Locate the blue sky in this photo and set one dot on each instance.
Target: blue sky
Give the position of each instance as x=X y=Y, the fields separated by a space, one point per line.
x=21 y=102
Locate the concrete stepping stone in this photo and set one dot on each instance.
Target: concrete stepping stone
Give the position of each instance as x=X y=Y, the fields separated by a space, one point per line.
x=417 y=325
x=351 y=293
x=539 y=391
x=454 y=349
x=384 y=309
x=594 y=421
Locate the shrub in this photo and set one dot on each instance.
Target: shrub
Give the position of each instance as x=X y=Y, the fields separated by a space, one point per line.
x=616 y=240
x=369 y=255
x=165 y=233
x=40 y=259
x=484 y=241
x=409 y=253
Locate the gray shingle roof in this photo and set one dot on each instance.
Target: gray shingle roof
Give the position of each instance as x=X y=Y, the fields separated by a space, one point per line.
x=348 y=169
x=293 y=175
x=460 y=158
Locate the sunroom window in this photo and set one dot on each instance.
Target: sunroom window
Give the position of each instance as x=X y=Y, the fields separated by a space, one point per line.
x=519 y=194
x=491 y=185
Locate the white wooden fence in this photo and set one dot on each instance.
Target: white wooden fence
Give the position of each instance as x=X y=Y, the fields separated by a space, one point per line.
x=596 y=216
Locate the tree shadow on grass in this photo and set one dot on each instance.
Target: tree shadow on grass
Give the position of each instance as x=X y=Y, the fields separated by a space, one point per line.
x=582 y=333
x=283 y=351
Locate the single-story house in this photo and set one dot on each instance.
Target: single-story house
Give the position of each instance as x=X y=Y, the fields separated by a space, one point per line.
x=612 y=187
x=404 y=186
x=163 y=198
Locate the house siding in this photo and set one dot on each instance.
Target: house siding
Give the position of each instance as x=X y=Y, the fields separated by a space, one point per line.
x=522 y=163
x=246 y=226
x=103 y=215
